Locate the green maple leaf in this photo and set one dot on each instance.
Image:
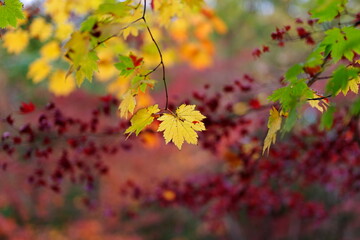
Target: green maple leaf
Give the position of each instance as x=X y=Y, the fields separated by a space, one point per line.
x=141 y=119
x=327 y=10
x=114 y=7
x=10 y=11
x=291 y=95
x=86 y=68
x=126 y=66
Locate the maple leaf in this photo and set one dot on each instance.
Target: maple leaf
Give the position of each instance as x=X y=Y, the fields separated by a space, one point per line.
x=86 y=68
x=27 y=108
x=16 y=41
x=141 y=119
x=10 y=11
x=352 y=85
x=320 y=104
x=38 y=70
x=127 y=105
x=274 y=125
x=182 y=125
x=51 y=50
x=61 y=85
x=40 y=29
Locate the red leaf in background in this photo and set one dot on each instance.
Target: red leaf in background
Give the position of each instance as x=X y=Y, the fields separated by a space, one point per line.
x=299 y=21
x=107 y=98
x=256 y=52
x=9 y=120
x=152 y=4
x=136 y=61
x=302 y=32
x=27 y=108
x=312 y=70
x=310 y=40
x=311 y=22
x=265 y=48
x=254 y=103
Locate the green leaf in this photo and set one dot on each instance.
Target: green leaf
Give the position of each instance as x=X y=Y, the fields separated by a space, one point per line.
x=291 y=95
x=335 y=40
x=115 y=8
x=353 y=42
x=327 y=118
x=355 y=107
x=88 y=24
x=340 y=79
x=327 y=10
x=141 y=119
x=290 y=120
x=316 y=57
x=126 y=65
x=342 y=42
x=86 y=68
x=10 y=11
x=293 y=72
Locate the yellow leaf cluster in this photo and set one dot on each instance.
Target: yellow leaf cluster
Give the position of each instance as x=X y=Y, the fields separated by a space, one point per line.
x=274 y=125
x=61 y=85
x=198 y=51
x=51 y=50
x=119 y=86
x=182 y=125
x=39 y=70
x=199 y=55
x=61 y=11
x=106 y=66
x=16 y=41
x=64 y=30
x=40 y=29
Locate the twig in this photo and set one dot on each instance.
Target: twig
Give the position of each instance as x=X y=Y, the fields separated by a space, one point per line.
x=161 y=58
x=315 y=77
x=319 y=98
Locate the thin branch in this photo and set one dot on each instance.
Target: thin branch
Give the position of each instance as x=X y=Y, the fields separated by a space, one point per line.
x=315 y=77
x=319 y=98
x=154 y=69
x=161 y=58
x=115 y=35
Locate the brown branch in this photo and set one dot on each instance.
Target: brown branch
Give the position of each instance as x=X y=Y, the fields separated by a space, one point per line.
x=315 y=77
x=161 y=58
x=319 y=98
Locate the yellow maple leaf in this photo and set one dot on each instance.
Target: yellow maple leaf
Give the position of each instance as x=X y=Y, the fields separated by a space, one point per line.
x=61 y=85
x=40 y=29
x=51 y=50
x=38 y=70
x=351 y=85
x=16 y=41
x=179 y=30
x=141 y=119
x=128 y=104
x=182 y=125
x=57 y=10
x=199 y=55
x=64 y=30
x=274 y=125
x=320 y=105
